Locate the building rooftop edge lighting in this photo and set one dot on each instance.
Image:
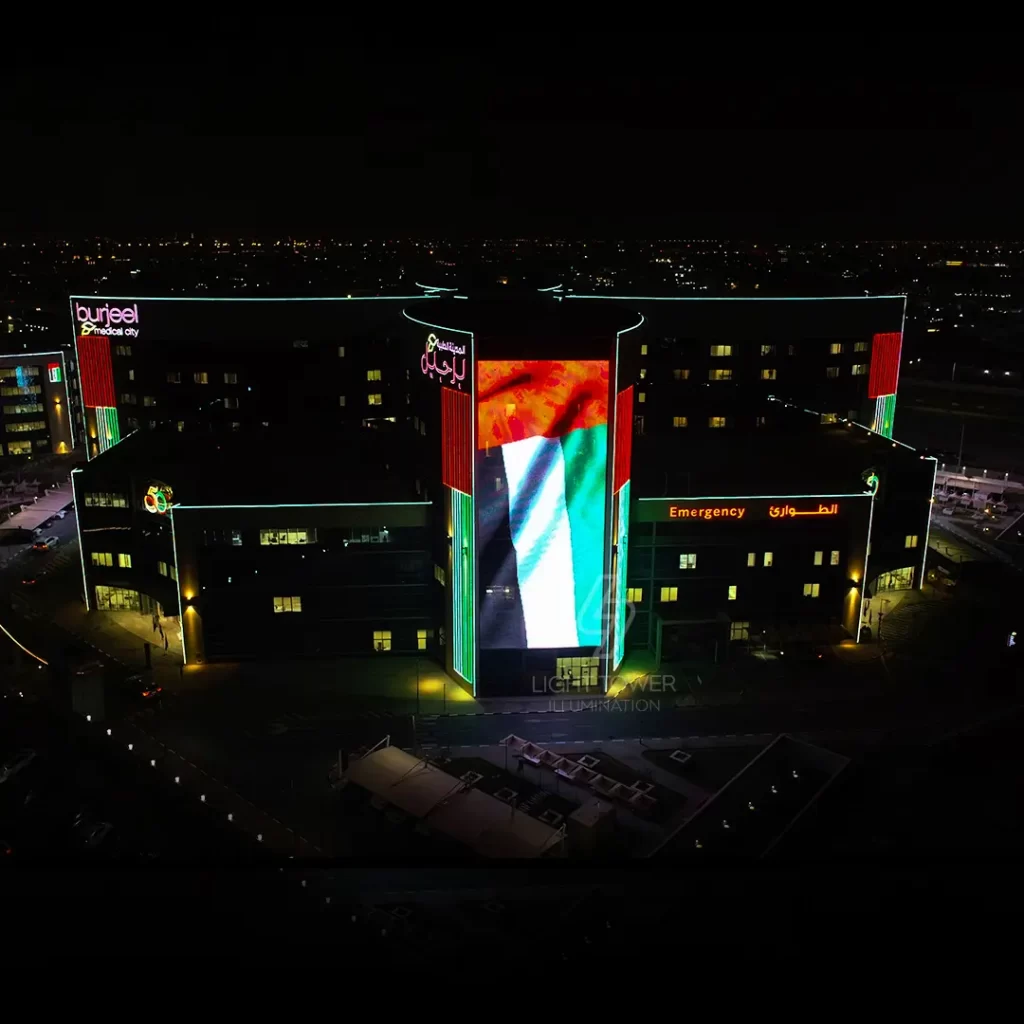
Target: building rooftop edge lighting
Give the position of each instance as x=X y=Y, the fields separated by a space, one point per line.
x=253 y=298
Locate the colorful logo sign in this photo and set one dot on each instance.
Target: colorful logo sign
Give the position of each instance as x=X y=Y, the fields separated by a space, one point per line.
x=53 y=372
x=101 y=320
x=158 y=499
x=435 y=362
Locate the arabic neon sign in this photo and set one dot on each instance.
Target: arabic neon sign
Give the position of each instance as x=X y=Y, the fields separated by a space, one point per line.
x=782 y=511
x=434 y=364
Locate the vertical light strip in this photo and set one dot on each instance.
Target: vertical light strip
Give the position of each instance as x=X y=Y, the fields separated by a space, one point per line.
x=177 y=587
x=867 y=555
x=621 y=560
x=78 y=526
x=67 y=398
x=107 y=427
x=928 y=528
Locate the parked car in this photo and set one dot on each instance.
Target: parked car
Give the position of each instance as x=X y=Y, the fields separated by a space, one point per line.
x=62 y=513
x=46 y=544
x=15 y=763
x=949 y=511
x=144 y=685
x=28 y=580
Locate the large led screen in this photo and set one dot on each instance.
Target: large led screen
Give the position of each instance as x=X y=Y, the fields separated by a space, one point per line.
x=541 y=466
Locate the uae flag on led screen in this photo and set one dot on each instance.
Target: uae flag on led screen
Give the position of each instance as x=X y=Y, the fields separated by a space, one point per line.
x=542 y=440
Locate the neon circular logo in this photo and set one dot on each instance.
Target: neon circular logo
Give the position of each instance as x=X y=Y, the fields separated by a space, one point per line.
x=158 y=499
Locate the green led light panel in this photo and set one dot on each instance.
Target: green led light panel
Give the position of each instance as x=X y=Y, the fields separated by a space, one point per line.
x=463 y=586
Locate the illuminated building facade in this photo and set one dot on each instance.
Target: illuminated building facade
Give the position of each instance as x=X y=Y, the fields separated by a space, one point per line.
x=35 y=411
x=528 y=489
x=305 y=367
x=257 y=551
x=535 y=433
x=777 y=535
x=708 y=364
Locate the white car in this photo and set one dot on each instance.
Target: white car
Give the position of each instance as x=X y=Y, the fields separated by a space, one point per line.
x=14 y=764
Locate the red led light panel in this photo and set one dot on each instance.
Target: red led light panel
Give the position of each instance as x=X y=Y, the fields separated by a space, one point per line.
x=95 y=371
x=623 y=437
x=885 y=364
x=456 y=440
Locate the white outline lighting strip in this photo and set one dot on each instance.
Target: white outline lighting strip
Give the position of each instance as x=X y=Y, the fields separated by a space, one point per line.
x=739 y=298
x=751 y=497
x=864 y=578
x=209 y=298
x=928 y=528
x=323 y=504
x=177 y=586
x=78 y=527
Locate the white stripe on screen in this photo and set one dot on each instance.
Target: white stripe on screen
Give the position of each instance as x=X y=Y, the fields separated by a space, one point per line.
x=535 y=471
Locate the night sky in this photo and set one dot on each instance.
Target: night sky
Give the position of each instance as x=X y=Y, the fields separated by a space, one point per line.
x=312 y=129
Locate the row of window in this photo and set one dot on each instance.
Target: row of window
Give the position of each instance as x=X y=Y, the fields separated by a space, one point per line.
x=24 y=428
x=167 y=570
x=668 y=595
x=688 y=559
x=200 y=377
x=835 y=348
x=713 y=421
x=105 y=499
x=289 y=536
x=122 y=350
x=23 y=408
x=10 y=391
x=124 y=560
x=22 y=447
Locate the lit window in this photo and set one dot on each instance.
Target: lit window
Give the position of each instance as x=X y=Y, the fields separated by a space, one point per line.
x=124 y=560
x=341 y=351
x=382 y=639
x=860 y=346
x=719 y=374
x=236 y=426
x=201 y=377
x=161 y=567
x=721 y=350
x=643 y=350
x=759 y=421
x=833 y=558
x=768 y=559
x=831 y=371
x=751 y=559
x=642 y=397
x=716 y=421
x=290 y=535
x=300 y=343
x=829 y=417
x=230 y=378
x=374 y=400
x=149 y=400
x=373 y=374
x=131 y=375
x=643 y=373
x=341 y=400
x=739 y=630
x=670 y=593
x=819 y=557
x=680 y=421
x=767 y=374
x=497 y=483
x=812 y=589
x=911 y=541
x=421 y=639
x=173 y=573
x=287 y=604
x=767 y=350
x=635 y=594
x=440 y=575
x=836 y=348
x=236 y=538
x=231 y=402
x=732 y=592
x=102 y=558
x=688 y=560
x=681 y=374
x=181 y=426
x=104 y=499
x=859 y=369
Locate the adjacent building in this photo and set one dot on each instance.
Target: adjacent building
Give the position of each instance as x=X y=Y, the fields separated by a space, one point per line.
x=35 y=411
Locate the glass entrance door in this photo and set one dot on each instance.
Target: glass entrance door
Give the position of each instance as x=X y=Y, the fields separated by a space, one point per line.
x=579 y=673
